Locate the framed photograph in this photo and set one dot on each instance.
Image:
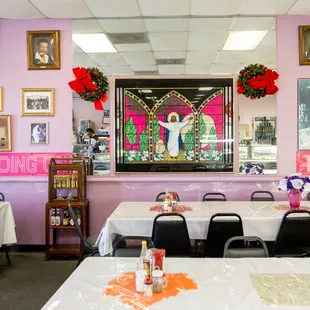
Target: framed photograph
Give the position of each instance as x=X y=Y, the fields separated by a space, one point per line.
x=264 y=130
x=303 y=114
x=5 y=133
x=1 y=99
x=304 y=45
x=38 y=101
x=43 y=49
x=39 y=133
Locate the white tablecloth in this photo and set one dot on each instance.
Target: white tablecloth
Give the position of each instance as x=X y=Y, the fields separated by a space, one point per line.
x=260 y=219
x=7 y=224
x=223 y=284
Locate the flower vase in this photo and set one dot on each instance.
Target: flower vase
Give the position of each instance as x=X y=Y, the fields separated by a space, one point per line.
x=294 y=198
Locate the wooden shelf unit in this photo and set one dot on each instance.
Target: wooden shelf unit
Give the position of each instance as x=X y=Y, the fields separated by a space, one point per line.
x=66 y=167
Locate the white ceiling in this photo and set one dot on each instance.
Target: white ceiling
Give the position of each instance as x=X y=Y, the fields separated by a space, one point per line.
x=191 y=31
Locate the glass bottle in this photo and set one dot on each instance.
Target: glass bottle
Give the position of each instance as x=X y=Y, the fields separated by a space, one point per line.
x=57 y=218
x=145 y=259
x=53 y=217
x=65 y=219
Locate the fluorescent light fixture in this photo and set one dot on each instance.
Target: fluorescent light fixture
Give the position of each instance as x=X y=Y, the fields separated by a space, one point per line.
x=93 y=43
x=243 y=40
x=146 y=91
x=200 y=95
x=205 y=88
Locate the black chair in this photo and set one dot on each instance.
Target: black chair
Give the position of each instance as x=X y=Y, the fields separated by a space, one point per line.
x=172 y=235
x=308 y=196
x=262 y=196
x=2 y=198
x=220 y=231
x=161 y=197
x=259 y=250
x=127 y=246
x=293 y=239
x=89 y=243
x=214 y=197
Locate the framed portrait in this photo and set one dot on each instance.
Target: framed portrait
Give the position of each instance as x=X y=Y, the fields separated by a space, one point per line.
x=38 y=101
x=39 y=133
x=1 y=99
x=43 y=49
x=304 y=45
x=5 y=133
x=303 y=114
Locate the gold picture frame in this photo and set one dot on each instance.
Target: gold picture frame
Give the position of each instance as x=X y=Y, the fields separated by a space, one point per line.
x=1 y=99
x=304 y=45
x=5 y=133
x=43 y=49
x=37 y=101
x=39 y=133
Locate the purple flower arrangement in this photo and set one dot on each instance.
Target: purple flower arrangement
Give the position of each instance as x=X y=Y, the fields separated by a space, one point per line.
x=295 y=181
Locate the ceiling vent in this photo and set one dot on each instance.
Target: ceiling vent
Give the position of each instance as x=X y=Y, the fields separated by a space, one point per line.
x=128 y=38
x=179 y=61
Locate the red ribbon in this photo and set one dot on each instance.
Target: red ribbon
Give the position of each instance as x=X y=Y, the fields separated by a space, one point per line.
x=83 y=80
x=99 y=102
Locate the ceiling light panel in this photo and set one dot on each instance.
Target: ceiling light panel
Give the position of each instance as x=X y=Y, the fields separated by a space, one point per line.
x=210 y=24
x=200 y=58
x=211 y=41
x=167 y=25
x=93 y=43
x=253 y=23
x=266 y=7
x=195 y=69
x=171 y=69
x=107 y=59
x=243 y=40
x=214 y=8
x=122 y=25
x=63 y=8
x=169 y=55
x=137 y=47
x=301 y=7
x=164 y=7
x=139 y=58
x=168 y=41
x=114 y=8
x=86 y=26
x=19 y=9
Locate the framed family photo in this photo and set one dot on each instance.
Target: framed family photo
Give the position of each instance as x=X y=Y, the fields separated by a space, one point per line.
x=5 y=133
x=303 y=114
x=43 y=49
x=304 y=45
x=38 y=101
x=39 y=133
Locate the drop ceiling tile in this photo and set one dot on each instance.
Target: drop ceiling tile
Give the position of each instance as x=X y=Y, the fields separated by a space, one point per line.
x=144 y=68
x=164 y=7
x=122 y=25
x=82 y=60
x=139 y=58
x=137 y=47
x=202 y=69
x=271 y=65
x=107 y=59
x=86 y=26
x=63 y=8
x=211 y=41
x=269 y=41
x=114 y=8
x=117 y=70
x=76 y=49
x=225 y=68
x=253 y=23
x=301 y=7
x=261 y=56
x=167 y=25
x=19 y=9
x=216 y=7
x=200 y=58
x=268 y=7
x=226 y=57
x=161 y=41
x=210 y=24
x=171 y=69
x=169 y=55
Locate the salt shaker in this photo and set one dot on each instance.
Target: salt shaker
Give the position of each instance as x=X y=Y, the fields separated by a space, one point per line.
x=148 y=287
x=140 y=277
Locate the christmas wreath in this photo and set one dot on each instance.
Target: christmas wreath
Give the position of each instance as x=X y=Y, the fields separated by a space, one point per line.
x=91 y=85
x=257 y=81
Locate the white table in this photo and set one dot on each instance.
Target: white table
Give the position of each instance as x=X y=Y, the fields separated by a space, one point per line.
x=7 y=224
x=223 y=284
x=260 y=219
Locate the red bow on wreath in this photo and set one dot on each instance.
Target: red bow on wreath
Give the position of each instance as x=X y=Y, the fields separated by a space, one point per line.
x=83 y=80
x=267 y=81
x=98 y=103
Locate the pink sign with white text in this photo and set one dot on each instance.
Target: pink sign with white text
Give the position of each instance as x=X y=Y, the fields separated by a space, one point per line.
x=27 y=164
x=303 y=162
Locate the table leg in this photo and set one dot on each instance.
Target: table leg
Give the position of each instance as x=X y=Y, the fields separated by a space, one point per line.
x=7 y=254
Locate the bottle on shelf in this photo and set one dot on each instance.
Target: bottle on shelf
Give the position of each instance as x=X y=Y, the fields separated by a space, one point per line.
x=78 y=217
x=57 y=217
x=145 y=259
x=65 y=219
x=53 y=217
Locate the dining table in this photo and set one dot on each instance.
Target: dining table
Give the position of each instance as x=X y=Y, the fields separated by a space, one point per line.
x=7 y=225
x=259 y=218
x=108 y=283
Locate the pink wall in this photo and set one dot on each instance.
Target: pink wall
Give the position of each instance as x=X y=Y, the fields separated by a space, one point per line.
x=289 y=70
x=14 y=75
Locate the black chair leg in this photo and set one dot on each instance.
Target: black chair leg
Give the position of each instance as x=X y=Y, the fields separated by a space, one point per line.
x=80 y=259
x=92 y=254
x=7 y=254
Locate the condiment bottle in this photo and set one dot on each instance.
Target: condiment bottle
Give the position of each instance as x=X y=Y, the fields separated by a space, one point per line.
x=148 y=287
x=57 y=218
x=145 y=259
x=53 y=217
x=65 y=220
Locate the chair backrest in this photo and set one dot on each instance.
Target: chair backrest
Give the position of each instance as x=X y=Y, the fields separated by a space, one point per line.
x=262 y=196
x=220 y=230
x=161 y=197
x=260 y=249
x=171 y=235
x=308 y=196
x=127 y=246
x=293 y=234
x=2 y=197
x=214 y=197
